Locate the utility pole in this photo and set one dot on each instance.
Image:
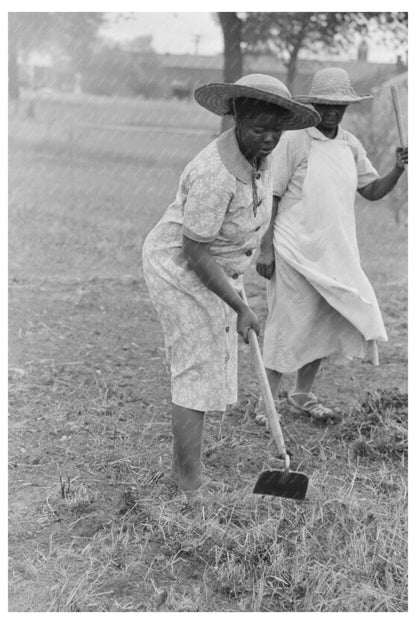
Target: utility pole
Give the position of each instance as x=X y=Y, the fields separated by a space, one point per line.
x=197 y=39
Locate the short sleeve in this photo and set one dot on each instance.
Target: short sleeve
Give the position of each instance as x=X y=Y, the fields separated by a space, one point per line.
x=283 y=164
x=208 y=196
x=366 y=172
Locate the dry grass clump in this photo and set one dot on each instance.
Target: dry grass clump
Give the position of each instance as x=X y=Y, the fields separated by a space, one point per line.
x=341 y=550
x=378 y=426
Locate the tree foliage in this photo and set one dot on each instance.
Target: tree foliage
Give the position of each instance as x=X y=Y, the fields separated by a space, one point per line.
x=286 y=35
x=115 y=70
x=71 y=35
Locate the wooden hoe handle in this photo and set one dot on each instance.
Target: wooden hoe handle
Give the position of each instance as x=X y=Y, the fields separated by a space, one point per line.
x=398 y=113
x=272 y=416
x=267 y=394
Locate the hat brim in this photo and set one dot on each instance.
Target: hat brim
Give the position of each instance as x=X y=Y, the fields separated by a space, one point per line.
x=216 y=97
x=338 y=100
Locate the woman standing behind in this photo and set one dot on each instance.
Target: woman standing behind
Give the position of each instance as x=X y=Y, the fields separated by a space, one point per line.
x=320 y=302
x=194 y=258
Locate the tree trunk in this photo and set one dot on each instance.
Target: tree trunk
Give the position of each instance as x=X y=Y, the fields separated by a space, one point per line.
x=13 y=66
x=233 y=62
x=291 y=71
x=294 y=48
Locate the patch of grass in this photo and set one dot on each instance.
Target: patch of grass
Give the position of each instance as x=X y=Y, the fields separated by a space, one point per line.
x=378 y=426
x=121 y=540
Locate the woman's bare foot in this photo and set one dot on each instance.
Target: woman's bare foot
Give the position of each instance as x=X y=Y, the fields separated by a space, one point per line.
x=260 y=416
x=208 y=487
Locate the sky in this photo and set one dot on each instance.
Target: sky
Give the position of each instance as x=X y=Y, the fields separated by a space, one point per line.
x=179 y=33
x=193 y=32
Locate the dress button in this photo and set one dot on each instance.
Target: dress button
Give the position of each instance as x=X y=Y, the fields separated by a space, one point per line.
x=249 y=252
x=257 y=229
x=227 y=329
x=258 y=176
x=235 y=275
x=227 y=357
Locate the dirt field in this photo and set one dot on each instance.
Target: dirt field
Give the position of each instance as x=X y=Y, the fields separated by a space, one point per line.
x=93 y=524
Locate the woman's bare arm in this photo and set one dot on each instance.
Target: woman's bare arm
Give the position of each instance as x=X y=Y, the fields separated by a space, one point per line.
x=265 y=262
x=382 y=186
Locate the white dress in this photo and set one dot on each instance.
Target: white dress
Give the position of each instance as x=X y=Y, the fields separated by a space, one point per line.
x=214 y=203
x=321 y=304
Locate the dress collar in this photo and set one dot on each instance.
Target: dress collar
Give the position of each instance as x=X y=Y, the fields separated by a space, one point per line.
x=314 y=133
x=234 y=160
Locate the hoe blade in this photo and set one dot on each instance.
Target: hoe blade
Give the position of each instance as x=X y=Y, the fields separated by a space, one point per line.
x=282 y=483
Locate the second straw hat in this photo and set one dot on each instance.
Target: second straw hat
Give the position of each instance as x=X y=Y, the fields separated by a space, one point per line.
x=332 y=85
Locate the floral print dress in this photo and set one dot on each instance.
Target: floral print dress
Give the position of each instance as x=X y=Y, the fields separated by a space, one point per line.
x=223 y=201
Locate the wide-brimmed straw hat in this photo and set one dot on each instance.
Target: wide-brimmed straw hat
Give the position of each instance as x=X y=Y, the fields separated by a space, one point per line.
x=217 y=98
x=332 y=85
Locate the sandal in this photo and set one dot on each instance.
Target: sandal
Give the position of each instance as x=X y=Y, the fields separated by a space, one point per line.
x=312 y=407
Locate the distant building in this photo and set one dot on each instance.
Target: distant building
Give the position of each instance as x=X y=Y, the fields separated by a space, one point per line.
x=39 y=70
x=36 y=70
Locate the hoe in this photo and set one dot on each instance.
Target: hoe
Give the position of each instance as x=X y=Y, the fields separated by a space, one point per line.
x=283 y=483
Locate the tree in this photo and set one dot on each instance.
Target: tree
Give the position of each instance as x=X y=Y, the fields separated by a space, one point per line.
x=75 y=34
x=142 y=44
x=231 y=26
x=110 y=71
x=70 y=34
x=26 y=31
x=126 y=70
x=287 y=34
